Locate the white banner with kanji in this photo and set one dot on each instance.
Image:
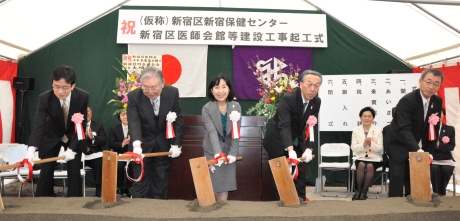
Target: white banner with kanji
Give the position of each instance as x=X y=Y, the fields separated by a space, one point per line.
x=221 y=28
x=343 y=96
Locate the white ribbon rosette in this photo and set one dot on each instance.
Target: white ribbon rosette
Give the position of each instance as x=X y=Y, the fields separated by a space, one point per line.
x=235 y=117
x=170 y=118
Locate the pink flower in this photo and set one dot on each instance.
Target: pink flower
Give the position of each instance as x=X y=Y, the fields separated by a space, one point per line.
x=433 y=119
x=445 y=139
x=312 y=120
x=267 y=100
x=262 y=93
x=288 y=90
x=77 y=118
x=125 y=99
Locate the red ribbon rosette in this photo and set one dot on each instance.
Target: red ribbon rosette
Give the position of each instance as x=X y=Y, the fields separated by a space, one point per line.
x=221 y=156
x=445 y=139
x=293 y=162
x=29 y=166
x=78 y=118
x=170 y=118
x=432 y=121
x=310 y=132
x=137 y=158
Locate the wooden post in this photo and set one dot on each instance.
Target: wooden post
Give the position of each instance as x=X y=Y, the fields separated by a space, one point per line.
x=283 y=181
x=202 y=181
x=109 y=177
x=419 y=166
x=2 y=207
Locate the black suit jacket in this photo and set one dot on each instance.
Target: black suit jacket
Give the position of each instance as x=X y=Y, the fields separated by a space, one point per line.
x=289 y=123
x=99 y=140
x=116 y=139
x=408 y=127
x=49 y=128
x=443 y=151
x=142 y=123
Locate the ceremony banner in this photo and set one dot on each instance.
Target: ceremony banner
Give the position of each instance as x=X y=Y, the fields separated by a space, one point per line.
x=270 y=59
x=343 y=96
x=183 y=66
x=221 y=28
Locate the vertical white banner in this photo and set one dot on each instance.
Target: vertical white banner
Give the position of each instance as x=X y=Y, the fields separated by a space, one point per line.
x=343 y=96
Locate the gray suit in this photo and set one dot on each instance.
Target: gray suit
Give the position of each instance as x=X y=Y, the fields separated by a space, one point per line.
x=215 y=142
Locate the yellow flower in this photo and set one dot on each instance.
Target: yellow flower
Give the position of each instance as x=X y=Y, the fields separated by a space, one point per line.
x=133 y=88
x=272 y=91
x=132 y=78
x=273 y=98
x=125 y=105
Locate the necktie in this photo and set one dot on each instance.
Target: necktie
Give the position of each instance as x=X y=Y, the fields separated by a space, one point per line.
x=425 y=108
x=125 y=132
x=305 y=107
x=65 y=111
x=155 y=105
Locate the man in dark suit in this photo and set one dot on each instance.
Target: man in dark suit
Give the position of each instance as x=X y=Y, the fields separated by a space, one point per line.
x=96 y=139
x=147 y=110
x=119 y=142
x=408 y=131
x=285 y=135
x=53 y=128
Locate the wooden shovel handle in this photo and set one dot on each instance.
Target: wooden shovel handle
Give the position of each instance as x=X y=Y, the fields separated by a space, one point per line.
x=157 y=154
x=304 y=158
x=211 y=162
x=47 y=160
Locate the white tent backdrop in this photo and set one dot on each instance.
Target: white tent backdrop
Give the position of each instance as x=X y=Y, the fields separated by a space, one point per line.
x=416 y=33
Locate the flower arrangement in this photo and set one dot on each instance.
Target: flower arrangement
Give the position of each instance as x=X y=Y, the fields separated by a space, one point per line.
x=274 y=84
x=123 y=85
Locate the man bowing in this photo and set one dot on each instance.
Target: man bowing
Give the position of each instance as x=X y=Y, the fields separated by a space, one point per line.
x=288 y=129
x=149 y=110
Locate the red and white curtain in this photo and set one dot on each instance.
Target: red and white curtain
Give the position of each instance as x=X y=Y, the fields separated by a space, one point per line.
x=8 y=70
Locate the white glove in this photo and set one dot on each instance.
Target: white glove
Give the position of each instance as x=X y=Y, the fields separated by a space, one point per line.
x=137 y=150
x=292 y=154
x=69 y=154
x=231 y=159
x=219 y=161
x=175 y=151
x=31 y=154
x=307 y=154
x=420 y=150
x=431 y=157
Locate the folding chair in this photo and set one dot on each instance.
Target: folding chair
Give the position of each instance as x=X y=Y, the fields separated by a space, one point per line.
x=62 y=174
x=337 y=151
x=383 y=176
x=14 y=154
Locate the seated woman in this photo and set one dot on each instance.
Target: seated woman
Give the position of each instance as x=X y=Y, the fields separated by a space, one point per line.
x=218 y=143
x=440 y=174
x=366 y=143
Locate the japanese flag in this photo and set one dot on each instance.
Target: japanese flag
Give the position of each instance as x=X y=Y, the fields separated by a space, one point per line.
x=8 y=70
x=183 y=66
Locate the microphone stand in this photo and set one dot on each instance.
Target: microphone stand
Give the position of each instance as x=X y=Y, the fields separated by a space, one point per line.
x=21 y=118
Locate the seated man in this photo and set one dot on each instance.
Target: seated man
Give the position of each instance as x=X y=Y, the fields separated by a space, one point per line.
x=442 y=167
x=96 y=140
x=119 y=142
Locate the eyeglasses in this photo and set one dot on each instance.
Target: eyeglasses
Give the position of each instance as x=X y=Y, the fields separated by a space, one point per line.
x=153 y=89
x=57 y=88
x=429 y=83
x=315 y=86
